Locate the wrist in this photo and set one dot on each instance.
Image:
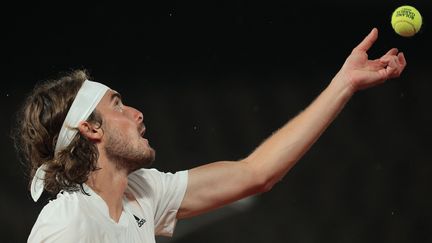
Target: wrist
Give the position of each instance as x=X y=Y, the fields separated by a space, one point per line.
x=343 y=85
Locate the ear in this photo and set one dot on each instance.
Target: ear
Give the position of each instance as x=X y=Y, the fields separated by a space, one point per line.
x=91 y=131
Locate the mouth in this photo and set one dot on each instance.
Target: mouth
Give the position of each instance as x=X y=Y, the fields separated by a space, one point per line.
x=142 y=132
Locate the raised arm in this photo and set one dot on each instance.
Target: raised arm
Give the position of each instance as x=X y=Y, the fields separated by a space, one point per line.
x=216 y=184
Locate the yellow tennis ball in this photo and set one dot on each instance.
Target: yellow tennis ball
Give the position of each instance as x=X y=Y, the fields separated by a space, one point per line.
x=406 y=21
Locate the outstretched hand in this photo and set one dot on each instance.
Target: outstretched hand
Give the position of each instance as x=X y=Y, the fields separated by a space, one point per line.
x=361 y=73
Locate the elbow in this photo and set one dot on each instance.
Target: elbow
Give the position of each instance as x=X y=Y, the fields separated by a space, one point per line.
x=265 y=186
x=259 y=181
x=263 y=183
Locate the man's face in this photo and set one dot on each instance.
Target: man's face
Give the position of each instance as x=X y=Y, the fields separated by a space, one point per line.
x=124 y=129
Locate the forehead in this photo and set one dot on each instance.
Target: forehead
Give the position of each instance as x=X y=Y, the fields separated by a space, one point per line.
x=108 y=98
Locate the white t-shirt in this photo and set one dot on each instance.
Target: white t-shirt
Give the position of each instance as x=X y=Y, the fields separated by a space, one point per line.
x=76 y=217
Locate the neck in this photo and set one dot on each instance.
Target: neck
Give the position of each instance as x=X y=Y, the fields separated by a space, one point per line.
x=110 y=184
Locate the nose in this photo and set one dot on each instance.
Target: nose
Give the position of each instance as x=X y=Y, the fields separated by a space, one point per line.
x=136 y=114
x=140 y=116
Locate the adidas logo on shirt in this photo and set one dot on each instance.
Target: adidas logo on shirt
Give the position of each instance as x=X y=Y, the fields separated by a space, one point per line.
x=140 y=222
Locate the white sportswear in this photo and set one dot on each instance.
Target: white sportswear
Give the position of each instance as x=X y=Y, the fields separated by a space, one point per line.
x=76 y=217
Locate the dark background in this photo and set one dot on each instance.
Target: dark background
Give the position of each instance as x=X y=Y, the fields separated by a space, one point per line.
x=214 y=79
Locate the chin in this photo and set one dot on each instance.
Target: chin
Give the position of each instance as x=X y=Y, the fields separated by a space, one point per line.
x=150 y=157
x=147 y=158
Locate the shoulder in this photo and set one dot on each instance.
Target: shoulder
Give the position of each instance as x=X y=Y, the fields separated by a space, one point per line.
x=63 y=209
x=152 y=183
x=153 y=177
x=59 y=216
x=144 y=173
x=147 y=173
x=144 y=181
x=156 y=185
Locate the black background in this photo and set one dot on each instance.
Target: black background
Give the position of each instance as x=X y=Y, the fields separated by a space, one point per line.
x=214 y=79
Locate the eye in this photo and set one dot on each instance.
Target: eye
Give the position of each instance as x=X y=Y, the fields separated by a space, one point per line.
x=118 y=104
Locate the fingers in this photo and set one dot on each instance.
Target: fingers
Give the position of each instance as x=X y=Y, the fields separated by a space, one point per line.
x=391 y=52
x=367 y=41
x=394 y=64
x=392 y=68
x=383 y=62
x=401 y=64
x=402 y=60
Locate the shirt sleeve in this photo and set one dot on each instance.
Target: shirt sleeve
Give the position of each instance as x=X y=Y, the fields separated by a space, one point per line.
x=165 y=192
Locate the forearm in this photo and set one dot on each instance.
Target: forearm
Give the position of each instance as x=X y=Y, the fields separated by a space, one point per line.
x=279 y=153
x=214 y=185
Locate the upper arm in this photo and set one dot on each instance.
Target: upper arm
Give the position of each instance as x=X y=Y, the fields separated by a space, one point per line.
x=216 y=184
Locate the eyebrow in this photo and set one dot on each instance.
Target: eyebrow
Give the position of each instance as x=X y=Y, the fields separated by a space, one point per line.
x=115 y=95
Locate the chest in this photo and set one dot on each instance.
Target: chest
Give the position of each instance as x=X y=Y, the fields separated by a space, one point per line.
x=136 y=224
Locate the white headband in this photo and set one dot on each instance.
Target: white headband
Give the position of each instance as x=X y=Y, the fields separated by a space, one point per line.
x=83 y=105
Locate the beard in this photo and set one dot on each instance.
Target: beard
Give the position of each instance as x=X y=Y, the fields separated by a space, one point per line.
x=128 y=153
